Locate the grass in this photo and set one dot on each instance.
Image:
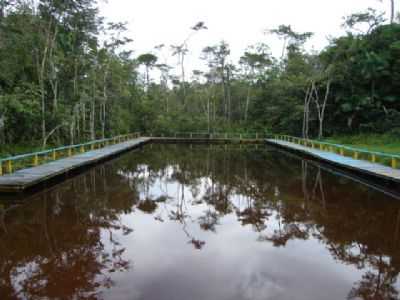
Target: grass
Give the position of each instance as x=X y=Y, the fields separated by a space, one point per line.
x=386 y=143
x=12 y=150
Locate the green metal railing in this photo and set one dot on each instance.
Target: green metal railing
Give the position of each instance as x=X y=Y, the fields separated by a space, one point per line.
x=11 y=164
x=212 y=135
x=382 y=158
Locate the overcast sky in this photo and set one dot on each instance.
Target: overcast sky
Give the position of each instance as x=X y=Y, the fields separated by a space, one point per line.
x=239 y=22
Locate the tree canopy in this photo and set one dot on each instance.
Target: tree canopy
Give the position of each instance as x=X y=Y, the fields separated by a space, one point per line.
x=60 y=83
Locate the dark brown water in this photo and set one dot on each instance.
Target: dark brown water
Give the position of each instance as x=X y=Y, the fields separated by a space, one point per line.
x=202 y=222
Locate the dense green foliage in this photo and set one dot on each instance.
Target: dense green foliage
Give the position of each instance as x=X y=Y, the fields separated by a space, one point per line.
x=59 y=83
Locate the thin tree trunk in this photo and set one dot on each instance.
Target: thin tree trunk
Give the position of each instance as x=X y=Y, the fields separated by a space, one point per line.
x=208 y=113
x=105 y=98
x=392 y=12
x=322 y=115
x=228 y=82
x=183 y=79
x=41 y=78
x=246 y=110
x=92 y=111
x=306 y=112
x=50 y=134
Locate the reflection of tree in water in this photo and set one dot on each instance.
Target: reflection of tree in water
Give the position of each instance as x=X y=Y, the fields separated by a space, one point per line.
x=209 y=221
x=376 y=286
x=62 y=244
x=147 y=206
x=298 y=207
x=378 y=283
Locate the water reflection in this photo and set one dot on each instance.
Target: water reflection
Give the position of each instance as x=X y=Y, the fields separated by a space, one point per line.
x=202 y=222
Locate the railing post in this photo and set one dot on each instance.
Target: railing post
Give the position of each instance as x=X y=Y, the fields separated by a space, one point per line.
x=341 y=151
x=35 y=160
x=355 y=156
x=69 y=152
x=191 y=135
x=82 y=149
x=54 y=155
x=373 y=158
x=1 y=168
x=394 y=163
x=9 y=166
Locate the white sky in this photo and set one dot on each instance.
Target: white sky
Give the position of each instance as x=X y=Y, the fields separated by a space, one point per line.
x=238 y=22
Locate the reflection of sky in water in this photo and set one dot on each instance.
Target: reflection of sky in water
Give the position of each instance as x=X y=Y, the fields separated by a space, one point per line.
x=232 y=264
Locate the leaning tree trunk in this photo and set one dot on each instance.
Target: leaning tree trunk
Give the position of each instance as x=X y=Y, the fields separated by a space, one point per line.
x=306 y=116
x=322 y=115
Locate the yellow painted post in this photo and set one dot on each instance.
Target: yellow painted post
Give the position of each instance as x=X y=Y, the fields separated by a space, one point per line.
x=321 y=147
x=82 y=149
x=373 y=158
x=54 y=155
x=9 y=166
x=355 y=155
x=330 y=149
x=35 y=160
x=394 y=163
x=341 y=151
x=1 y=168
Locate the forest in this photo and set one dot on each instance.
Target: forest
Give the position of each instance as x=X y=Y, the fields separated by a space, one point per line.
x=68 y=76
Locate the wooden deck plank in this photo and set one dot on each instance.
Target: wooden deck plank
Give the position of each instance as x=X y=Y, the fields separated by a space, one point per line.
x=361 y=166
x=26 y=178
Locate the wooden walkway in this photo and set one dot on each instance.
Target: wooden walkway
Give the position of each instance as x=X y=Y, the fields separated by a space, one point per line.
x=359 y=166
x=27 y=178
